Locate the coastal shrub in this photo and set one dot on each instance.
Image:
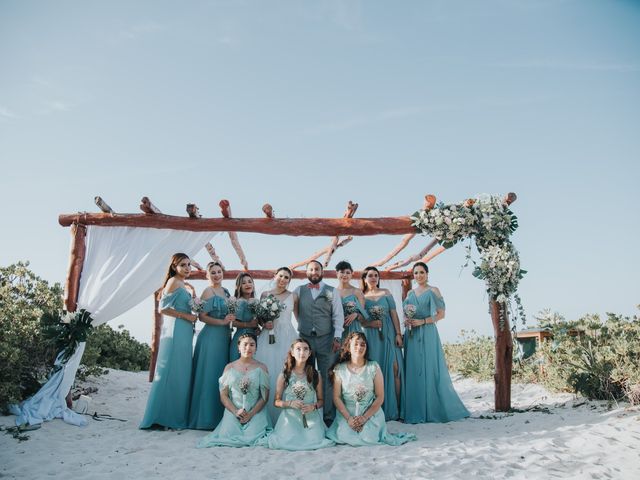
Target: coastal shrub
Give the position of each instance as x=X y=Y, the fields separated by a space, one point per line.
x=26 y=356
x=595 y=358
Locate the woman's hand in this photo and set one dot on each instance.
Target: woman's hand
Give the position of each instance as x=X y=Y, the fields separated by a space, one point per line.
x=354 y=424
x=269 y=325
x=242 y=415
x=349 y=319
x=375 y=324
x=228 y=319
x=191 y=318
x=308 y=407
x=297 y=404
x=399 y=340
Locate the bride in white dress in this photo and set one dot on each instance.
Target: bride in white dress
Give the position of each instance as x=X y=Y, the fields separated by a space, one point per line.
x=285 y=330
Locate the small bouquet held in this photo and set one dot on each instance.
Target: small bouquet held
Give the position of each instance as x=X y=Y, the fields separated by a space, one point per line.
x=232 y=308
x=410 y=312
x=360 y=393
x=300 y=389
x=349 y=308
x=196 y=304
x=267 y=310
x=376 y=313
x=244 y=386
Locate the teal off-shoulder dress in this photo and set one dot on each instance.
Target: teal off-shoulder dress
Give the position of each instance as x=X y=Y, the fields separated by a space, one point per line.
x=209 y=359
x=289 y=432
x=429 y=394
x=358 y=394
x=354 y=326
x=386 y=353
x=168 y=403
x=230 y=432
x=243 y=314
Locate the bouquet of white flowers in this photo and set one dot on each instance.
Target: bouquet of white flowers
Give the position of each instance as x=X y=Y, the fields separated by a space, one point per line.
x=267 y=310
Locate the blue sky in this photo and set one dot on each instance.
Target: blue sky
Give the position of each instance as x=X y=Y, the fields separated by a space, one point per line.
x=307 y=105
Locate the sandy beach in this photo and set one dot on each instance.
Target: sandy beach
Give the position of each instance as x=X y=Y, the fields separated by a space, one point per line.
x=561 y=437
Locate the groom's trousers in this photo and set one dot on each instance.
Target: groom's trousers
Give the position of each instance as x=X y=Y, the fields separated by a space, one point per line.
x=322 y=347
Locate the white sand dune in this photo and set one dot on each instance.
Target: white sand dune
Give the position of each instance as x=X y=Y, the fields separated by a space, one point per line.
x=576 y=440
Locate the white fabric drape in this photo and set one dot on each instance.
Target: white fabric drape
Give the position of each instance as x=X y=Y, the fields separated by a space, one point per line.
x=122 y=267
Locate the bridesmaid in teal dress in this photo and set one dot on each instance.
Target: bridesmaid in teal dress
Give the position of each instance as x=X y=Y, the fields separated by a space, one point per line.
x=385 y=339
x=298 y=393
x=352 y=299
x=244 y=391
x=211 y=353
x=244 y=322
x=429 y=394
x=358 y=394
x=168 y=402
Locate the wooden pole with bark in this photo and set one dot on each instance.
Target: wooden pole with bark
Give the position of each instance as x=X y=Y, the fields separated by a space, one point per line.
x=504 y=356
x=155 y=334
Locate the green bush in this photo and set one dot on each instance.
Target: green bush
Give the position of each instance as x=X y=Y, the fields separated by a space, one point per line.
x=26 y=357
x=597 y=359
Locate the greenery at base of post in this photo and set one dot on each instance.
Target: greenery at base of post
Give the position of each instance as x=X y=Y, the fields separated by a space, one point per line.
x=27 y=357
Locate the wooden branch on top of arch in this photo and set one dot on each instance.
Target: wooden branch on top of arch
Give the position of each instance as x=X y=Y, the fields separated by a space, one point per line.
x=268 y=211
x=349 y=213
x=401 y=246
x=212 y=253
x=193 y=211
x=147 y=207
x=102 y=205
x=225 y=207
x=319 y=253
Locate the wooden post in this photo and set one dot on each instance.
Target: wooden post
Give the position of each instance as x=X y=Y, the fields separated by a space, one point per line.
x=155 y=335
x=76 y=262
x=406 y=287
x=504 y=356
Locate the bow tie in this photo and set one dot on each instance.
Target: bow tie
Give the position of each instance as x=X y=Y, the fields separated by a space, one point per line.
x=314 y=285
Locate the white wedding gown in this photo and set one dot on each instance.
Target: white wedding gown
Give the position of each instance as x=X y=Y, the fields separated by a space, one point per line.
x=273 y=355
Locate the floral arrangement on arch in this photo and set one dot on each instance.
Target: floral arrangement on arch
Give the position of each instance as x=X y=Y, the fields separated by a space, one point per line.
x=489 y=221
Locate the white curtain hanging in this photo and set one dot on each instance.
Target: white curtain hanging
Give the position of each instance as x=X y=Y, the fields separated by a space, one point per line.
x=122 y=267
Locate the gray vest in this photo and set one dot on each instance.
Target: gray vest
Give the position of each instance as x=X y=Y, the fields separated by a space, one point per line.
x=315 y=315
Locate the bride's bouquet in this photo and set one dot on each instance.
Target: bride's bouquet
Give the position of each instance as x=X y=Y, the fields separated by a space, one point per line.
x=267 y=310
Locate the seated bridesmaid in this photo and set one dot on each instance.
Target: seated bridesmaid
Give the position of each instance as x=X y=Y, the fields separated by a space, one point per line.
x=299 y=393
x=244 y=391
x=211 y=353
x=352 y=300
x=168 y=403
x=429 y=394
x=358 y=393
x=244 y=321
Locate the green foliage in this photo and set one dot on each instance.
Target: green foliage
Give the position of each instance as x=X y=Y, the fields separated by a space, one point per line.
x=25 y=358
x=27 y=355
x=597 y=359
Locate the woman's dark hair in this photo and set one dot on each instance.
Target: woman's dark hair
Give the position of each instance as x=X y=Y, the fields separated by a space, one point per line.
x=343 y=265
x=285 y=269
x=171 y=271
x=309 y=366
x=365 y=287
x=345 y=354
x=420 y=264
x=238 y=291
x=248 y=335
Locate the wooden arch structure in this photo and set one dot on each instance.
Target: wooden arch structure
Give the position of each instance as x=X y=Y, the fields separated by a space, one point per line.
x=346 y=227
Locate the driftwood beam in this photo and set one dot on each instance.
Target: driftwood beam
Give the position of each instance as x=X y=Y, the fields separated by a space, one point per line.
x=147 y=207
x=349 y=213
x=102 y=205
x=413 y=258
x=155 y=334
x=401 y=246
x=76 y=263
x=504 y=356
x=298 y=274
x=297 y=227
x=225 y=208
x=212 y=253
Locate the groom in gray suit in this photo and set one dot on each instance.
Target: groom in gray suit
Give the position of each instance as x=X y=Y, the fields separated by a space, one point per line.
x=318 y=308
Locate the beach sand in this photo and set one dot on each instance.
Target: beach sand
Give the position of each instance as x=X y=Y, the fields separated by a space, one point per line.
x=567 y=438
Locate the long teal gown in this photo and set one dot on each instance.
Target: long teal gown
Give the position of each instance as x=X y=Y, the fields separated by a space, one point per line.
x=429 y=394
x=289 y=432
x=374 y=431
x=354 y=326
x=386 y=353
x=243 y=314
x=168 y=403
x=209 y=359
x=230 y=432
